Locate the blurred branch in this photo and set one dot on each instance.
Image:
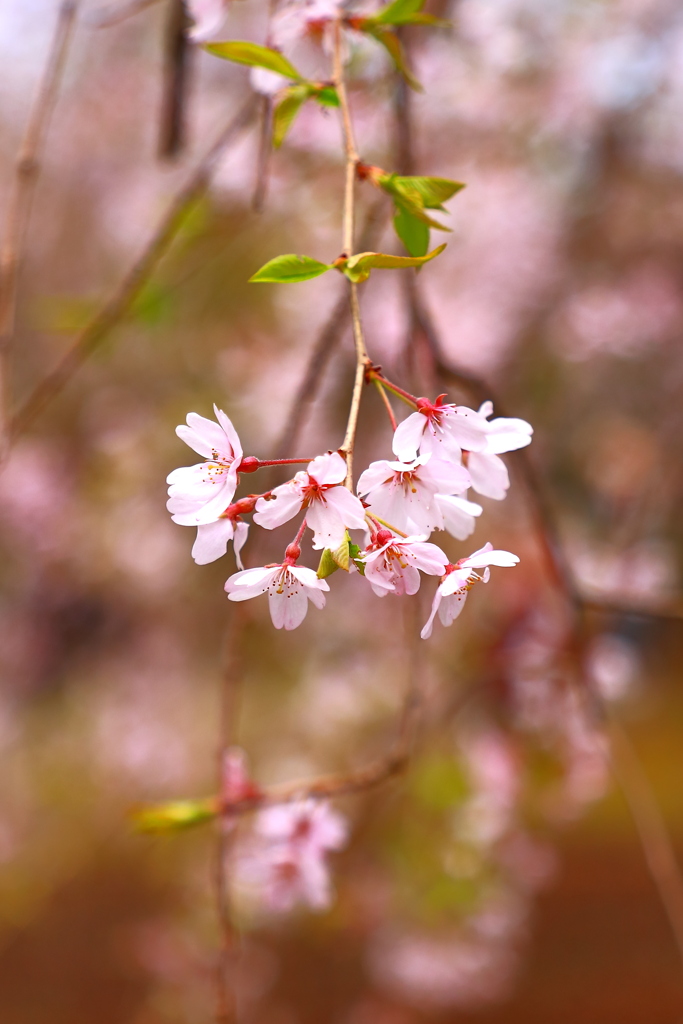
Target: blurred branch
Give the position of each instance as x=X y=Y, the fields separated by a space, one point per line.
x=265 y=154
x=120 y=303
x=27 y=170
x=177 y=55
x=654 y=837
x=113 y=14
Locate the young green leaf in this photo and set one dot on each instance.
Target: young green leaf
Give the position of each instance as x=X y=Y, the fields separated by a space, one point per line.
x=414 y=233
x=242 y=52
x=397 y=12
x=327 y=565
x=354 y=552
x=174 y=815
x=433 y=191
x=327 y=96
x=390 y=41
x=359 y=266
x=286 y=109
x=340 y=555
x=290 y=268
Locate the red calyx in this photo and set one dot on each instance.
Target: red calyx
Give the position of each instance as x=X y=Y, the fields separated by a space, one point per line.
x=292 y=553
x=248 y=465
x=383 y=537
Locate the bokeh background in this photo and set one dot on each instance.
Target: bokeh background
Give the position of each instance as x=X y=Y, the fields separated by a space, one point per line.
x=502 y=878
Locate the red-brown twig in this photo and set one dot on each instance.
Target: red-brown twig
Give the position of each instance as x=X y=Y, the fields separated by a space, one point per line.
x=27 y=170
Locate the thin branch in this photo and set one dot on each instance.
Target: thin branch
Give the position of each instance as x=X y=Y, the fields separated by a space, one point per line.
x=177 y=58
x=327 y=341
x=387 y=404
x=265 y=154
x=113 y=14
x=652 y=831
x=654 y=837
x=120 y=303
x=362 y=360
x=27 y=170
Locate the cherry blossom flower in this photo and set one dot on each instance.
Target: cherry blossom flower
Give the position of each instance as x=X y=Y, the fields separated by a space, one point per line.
x=402 y=493
x=331 y=508
x=213 y=539
x=458 y=515
x=289 y=588
x=451 y=593
x=442 y=430
x=310 y=825
x=301 y=17
x=488 y=472
x=200 y=494
x=393 y=565
x=208 y=17
x=289 y=858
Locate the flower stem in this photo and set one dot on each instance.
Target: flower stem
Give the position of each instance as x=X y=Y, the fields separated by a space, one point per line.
x=388 y=526
x=383 y=395
x=409 y=399
x=362 y=360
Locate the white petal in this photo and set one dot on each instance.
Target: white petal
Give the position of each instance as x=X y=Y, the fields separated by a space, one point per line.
x=327 y=469
x=478 y=561
x=451 y=607
x=429 y=558
x=466 y=426
x=407 y=580
x=348 y=507
x=308 y=577
x=327 y=525
x=212 y=541
x=458 y=515
x=230 y=432
x=408 y=436
x=445 y=477
x=259 y=577
x=427 y=628
x=507 y=435
x=239 y=540
x=377 y=473
x=489 y=475
x=486 y=409
x=273 y=512
x=205 y=436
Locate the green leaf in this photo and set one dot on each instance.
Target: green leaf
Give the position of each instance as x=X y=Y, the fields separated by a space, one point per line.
x=285 y=111
x=175 y=815
x=358 y=267
x=397 y=12
x=341 y=554
x=433 y=191
x=327 y=96
x=290 y=268
x=327 y=565
x=354 y=552
x=413 y=232
x=390 y=41
x=242 y=52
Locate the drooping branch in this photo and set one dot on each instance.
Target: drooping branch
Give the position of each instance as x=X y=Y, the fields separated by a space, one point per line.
x=351 y=153
x=27 y=170
x=119 y=304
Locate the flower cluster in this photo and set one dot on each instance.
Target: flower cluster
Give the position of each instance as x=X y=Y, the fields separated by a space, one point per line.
x=442 y=450
x=284 y=861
